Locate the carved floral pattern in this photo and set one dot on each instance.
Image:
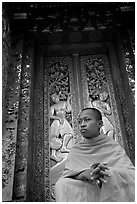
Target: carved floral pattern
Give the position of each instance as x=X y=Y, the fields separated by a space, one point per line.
x=10 y=118
x=5 y=57
x=59 y=82
x=47 y=192
x=97 y=80
x=59 y=79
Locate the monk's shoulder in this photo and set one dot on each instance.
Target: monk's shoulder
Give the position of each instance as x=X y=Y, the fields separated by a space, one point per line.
x=76 y=147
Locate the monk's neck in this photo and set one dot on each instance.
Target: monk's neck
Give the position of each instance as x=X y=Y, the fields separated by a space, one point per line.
x=98 y=137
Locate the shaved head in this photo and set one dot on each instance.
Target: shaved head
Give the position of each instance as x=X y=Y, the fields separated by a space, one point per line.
x=96 y=112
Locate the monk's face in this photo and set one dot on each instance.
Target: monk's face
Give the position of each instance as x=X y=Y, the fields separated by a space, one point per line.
x=89 y=125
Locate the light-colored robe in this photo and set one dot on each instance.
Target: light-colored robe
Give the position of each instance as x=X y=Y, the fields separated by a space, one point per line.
x=120 y=186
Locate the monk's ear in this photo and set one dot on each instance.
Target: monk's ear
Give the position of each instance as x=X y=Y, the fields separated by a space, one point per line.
x=100 y=123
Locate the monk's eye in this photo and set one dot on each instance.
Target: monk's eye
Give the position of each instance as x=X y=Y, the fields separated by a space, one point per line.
x=79 y=121
x=87 y=119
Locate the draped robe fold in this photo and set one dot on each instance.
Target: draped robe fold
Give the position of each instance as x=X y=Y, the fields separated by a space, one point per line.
x=120 y=186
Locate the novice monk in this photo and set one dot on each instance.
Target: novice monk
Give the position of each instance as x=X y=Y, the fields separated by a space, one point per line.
x=97 y=169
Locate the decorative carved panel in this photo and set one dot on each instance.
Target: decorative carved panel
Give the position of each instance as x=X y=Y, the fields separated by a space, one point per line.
x=88 y=79
x=5 y=56
x=123 y=110
x=97 y=90
x=10 y=119
x=60 y=100
x=35 y=141
x=63 y=86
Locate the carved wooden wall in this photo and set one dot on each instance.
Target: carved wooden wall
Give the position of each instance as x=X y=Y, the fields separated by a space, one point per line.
x=16 y=120
x=97 y=82
x=84 y=77
x=33 y=158
x=52 y=70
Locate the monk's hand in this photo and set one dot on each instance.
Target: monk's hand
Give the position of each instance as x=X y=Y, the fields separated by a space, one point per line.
x=85 y=175
x=98 y=173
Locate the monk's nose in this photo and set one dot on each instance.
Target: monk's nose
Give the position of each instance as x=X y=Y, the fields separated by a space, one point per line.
x=83 y=124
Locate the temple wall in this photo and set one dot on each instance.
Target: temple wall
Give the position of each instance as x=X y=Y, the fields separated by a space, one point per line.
x=37 y=66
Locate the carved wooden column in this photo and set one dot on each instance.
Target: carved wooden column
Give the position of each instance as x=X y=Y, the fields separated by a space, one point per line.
x=127 y=71
x=76 y=94
x=127 y=131
x=10 y=119
x=47 y=185
x=76 y=72
x=5 y=56
x=24 y=124
x=35 y=179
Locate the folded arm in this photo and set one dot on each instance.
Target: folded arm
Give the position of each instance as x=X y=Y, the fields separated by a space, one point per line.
x=95 y=174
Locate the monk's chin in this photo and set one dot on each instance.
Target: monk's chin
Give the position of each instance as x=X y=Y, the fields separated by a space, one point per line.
x=89 y=136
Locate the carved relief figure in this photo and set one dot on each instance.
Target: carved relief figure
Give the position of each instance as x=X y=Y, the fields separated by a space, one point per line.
x=100 y=103
x=60 y=131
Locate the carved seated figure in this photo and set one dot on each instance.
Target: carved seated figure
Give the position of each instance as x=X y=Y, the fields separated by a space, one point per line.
x=60 y=131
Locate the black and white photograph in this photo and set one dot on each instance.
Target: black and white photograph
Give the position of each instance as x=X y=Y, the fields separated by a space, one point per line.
x=68 y=101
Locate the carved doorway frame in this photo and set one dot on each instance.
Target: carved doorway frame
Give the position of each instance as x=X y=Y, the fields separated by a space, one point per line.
x=41 y=155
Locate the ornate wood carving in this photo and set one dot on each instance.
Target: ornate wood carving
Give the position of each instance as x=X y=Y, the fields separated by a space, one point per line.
x=20 y=175
x=5 y=56
x=96 y=78
x=81 y=77
x=127 y=131
x=97 y=83
x=10 y=119
x=60 y=82
x=47 y=191
x=56 y=88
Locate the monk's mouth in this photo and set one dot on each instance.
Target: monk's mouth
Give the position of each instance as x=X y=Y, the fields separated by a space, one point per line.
x=83 y=130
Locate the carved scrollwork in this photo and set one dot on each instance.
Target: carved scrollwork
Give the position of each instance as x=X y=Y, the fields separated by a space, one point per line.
x=98 y=93
x=10 y=119
x=58 y=100
x=60 y=107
